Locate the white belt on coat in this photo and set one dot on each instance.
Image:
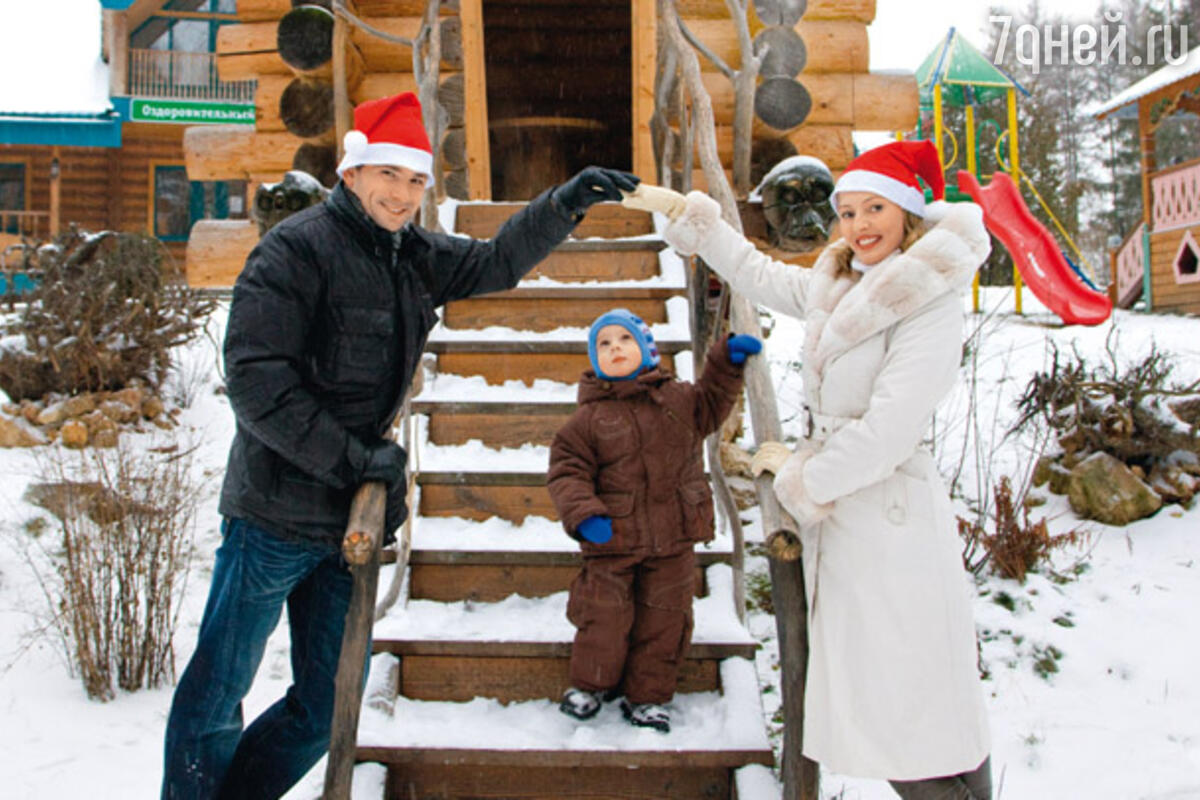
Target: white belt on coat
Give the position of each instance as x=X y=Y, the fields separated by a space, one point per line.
x=819 y=427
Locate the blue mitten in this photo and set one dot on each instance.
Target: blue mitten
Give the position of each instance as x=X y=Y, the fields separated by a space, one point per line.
x=596 y=530
x=741 y=346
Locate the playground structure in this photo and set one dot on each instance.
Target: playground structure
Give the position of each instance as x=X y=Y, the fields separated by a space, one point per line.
x=1157 y=261
x=955 y=73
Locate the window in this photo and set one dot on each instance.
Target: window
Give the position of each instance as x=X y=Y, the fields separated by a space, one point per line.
x=172 y=203
x=1186 y=260
x=178 y=202
x=12 y=195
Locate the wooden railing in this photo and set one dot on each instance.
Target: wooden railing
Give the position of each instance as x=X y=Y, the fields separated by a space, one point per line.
x=1128 y=264
x=183 y=76
x=32 y=224
x=1175 y=194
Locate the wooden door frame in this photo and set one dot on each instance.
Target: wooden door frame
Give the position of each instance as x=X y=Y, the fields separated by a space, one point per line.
x=644 y=19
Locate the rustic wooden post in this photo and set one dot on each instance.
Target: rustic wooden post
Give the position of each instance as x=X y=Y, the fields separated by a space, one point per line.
x=360 y=548
x=342 y=113
x=800 y=775
x=479 y=161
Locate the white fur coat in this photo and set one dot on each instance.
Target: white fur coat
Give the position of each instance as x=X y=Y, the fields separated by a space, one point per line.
x=893 y=690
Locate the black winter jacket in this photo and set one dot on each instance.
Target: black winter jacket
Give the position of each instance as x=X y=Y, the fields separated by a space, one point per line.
x=326 y=328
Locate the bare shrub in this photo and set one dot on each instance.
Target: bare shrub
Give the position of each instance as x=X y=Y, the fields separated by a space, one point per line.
x=109 y=308
x=1016 y=545
x=126 y=523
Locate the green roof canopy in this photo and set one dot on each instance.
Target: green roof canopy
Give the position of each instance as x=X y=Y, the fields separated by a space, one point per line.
x=966 y=75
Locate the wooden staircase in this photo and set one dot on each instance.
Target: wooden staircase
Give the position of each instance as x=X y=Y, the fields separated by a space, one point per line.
x=471 y=662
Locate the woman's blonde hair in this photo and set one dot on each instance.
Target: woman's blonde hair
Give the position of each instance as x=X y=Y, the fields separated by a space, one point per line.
x=914 y=229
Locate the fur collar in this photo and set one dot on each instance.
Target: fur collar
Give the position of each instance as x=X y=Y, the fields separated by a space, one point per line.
x=846 y=308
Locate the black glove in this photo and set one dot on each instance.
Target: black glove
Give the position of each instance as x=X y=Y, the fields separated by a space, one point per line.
x=591 y=185
x=385 y=462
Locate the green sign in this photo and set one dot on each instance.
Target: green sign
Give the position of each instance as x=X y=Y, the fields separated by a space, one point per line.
x=191 y=112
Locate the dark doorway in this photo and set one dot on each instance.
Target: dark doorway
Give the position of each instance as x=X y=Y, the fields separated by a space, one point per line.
x=558 y=90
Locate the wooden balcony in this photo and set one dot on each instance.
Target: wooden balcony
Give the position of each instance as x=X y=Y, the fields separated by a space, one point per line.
x=183 y=76
x=1175 y=194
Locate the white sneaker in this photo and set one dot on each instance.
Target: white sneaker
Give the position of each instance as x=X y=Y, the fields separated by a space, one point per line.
x=647 y=715
x=580 y=703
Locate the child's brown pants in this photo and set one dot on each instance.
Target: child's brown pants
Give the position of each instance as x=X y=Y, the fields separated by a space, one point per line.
x=634 y=619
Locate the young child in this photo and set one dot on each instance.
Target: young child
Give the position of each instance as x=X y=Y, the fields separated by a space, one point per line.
x=627 y=478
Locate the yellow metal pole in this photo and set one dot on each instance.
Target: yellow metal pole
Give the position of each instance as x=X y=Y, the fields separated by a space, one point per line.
x=1014 y=165
x=938 y=122
x=973 y=168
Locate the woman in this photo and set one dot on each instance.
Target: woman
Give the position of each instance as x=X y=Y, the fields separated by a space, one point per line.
x=893 y=690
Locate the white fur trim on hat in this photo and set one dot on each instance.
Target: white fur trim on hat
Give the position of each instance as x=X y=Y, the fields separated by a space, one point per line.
x=887 y=187
x=361 y=153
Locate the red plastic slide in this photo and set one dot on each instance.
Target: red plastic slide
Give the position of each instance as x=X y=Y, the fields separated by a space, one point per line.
x=1035 y=252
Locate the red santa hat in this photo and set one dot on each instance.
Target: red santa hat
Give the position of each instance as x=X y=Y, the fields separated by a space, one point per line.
x=891 y=171
x=388 y=131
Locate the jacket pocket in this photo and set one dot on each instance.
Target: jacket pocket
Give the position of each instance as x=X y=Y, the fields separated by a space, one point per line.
x=365 y=340
x=698 y=516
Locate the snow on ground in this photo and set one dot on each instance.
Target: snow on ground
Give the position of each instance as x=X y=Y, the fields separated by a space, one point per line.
x=1119 y=719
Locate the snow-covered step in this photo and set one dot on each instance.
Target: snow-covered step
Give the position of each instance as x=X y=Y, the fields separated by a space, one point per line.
x=485 y=748
x=518 y=648
x=608 y=220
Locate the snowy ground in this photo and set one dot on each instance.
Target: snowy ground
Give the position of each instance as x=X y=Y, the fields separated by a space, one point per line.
x=1119 y=719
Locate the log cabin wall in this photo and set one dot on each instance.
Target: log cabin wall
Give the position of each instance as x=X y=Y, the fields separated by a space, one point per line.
x=843 y=95
x=104 y=188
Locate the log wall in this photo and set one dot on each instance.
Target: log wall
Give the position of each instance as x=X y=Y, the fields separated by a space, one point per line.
x=105 y=188
x=1166 y=293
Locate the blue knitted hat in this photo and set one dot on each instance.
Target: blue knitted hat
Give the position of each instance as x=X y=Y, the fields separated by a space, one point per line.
x=641 y=334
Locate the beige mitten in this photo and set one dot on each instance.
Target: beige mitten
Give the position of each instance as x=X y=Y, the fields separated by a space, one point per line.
x=769 y=458
x=654 y=198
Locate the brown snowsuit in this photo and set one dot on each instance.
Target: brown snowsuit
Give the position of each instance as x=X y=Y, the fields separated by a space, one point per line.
x=632 y=452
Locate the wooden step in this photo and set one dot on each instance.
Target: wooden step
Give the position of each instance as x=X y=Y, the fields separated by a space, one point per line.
x=528 y=750
x=601 y=260
x=500 y=360
x=511 y=496
x=516 y=671
x=497 y=424
x=491 y=575
x=608 y=220
x=544 y=309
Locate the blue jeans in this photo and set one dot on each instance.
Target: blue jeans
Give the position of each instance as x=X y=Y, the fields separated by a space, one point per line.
x=207 y=754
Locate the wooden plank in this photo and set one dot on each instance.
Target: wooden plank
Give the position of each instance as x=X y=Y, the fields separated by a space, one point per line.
x=479 y=164
x=533 y=782
x=644 y=20
x=543 y=314
x=606 y=220
x=496 y=368
x=491 y=583
x=494 y=430
x=467 y=648
x=459 y=679
x=630 y=760
x=540 y=347
x=705 y=557
x=566 y=265
x=511 y=503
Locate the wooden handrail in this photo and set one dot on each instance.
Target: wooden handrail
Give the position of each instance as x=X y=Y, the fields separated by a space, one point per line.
x=365 y=531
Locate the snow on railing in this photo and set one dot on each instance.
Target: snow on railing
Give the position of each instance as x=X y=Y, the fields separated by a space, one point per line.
x=1128 y=266
x=1176 y=196
x=183 y=76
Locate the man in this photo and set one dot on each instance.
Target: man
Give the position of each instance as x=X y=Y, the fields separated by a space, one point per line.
x=326 y=328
